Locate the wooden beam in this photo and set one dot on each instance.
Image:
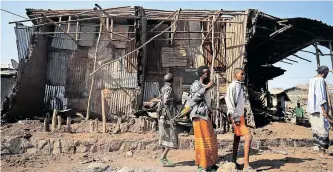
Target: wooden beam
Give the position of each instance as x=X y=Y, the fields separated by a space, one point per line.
x=163 y=21
x=317 y=49
x=60 y=29
x=210 y=30
x=317 y=54
x=291 y=60
x=301 y=58
x=286 y=62
x=280 y=31
x=331 y=52
x=213 y=46
x=175 y=26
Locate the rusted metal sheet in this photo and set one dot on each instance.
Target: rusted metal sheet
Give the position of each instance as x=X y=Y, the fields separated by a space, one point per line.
x=174 y=56
x=57 y=67
x=195 y=51
x=151 y=90
x=87 y=39
x=77 y=74
x=24 y=35
x=7 y=83
x=235 y=46
x=130 y=61
x=154 y=58
x=120 y=28
x=63 y=41
x=104 y=51
x=119 y=101
x=54 y=97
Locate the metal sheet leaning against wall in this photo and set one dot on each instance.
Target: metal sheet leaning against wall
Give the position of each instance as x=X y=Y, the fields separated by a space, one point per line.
x=235 y=46
x=23 y=40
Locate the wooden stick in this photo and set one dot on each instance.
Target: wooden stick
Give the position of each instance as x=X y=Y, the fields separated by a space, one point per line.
x=211 y=29
x=291 y=60
x=286 y=62
x=60 y=29
x=103 y=112
x=162 y=21
x=59 y=122
x=68 y=125
x=54 y=120
x=96 y=124
x=317 y=54
x=175 y=26
x=46 y=123
x=301 y=58
x=92 y=129
x=151 y=39
x=213 y=46
x=93 y=78
x=331 y=52
x=77 y=30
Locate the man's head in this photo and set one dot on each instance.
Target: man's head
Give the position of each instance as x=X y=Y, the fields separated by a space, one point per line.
x=298 y=105
x=204 y=74
x=239 y=74
x=168 y=78
x=323 y=71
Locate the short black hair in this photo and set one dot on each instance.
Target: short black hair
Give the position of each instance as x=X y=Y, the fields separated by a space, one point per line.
x=236 y=70
x=322 y=69
x=200 y=70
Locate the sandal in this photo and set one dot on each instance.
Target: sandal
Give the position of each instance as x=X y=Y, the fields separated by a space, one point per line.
x=166 y=163
x=200 y=169
x=248 y=169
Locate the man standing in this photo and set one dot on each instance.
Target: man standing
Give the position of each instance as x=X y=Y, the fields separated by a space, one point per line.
x=167 y=128
x=205 y=140
x=235 y=100
x=318 y=109
x=299 y=114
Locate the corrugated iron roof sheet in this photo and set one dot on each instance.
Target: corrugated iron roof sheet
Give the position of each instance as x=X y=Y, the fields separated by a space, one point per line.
x=24 y=36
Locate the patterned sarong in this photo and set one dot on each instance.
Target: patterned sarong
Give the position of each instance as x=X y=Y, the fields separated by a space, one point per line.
x=320 y=130
x=206 y=150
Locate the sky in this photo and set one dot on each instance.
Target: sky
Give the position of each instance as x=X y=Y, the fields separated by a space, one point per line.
x=298 y=73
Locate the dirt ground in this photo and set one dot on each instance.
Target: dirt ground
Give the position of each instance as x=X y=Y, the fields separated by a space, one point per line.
x=297 y=160
x=267 y=159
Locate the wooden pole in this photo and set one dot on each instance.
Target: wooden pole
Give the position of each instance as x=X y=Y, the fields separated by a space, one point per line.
x=317 y=54
x=68 y=125
x=162 y=21
x=59 y=122
x=301 y=58
x=60 y=28
x=46 y=123
x=96 y=125
x=103 y=112
x=213 y=46
x=331 y=52
x=54 y=120
x=93 y=77
x=91 y=124
x=175 y=26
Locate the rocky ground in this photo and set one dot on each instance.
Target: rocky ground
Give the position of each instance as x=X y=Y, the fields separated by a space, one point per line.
x=25 y=147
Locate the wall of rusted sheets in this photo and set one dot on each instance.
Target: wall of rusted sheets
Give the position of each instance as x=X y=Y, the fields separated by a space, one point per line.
x=236 y=45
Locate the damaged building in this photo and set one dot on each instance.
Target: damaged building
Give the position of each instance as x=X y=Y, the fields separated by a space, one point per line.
x=111 y=60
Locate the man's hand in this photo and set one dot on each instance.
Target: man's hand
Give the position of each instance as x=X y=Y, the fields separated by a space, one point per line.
x=327 y=117
x=210 y=84
x=236 y=123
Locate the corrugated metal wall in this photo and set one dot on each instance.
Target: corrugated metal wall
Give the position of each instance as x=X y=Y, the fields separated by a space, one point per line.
x=87 y=39
x=57 y=67
x=151 y=90
x=55 y=97
x=6 y=86
x=24 y=36
x=62 y=41
x=235 y=46
x=119 y=101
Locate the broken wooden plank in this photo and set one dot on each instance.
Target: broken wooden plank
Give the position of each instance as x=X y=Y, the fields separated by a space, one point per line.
x=54 y=120
x=68 y=125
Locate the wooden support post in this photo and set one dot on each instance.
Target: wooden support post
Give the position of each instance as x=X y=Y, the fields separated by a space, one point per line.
x=59 y=122
x=46 y=123
x=331 y=52
x=77 y=29
x=291 y=60
x=317 y=54
x=213 y=46
x=96 y=125
x=60 y=28
x=68 y=125
x=54 y=120
x=103 y=112
x=301 y=58
x=175 y=27
x=93 y=77
x=91 y=124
